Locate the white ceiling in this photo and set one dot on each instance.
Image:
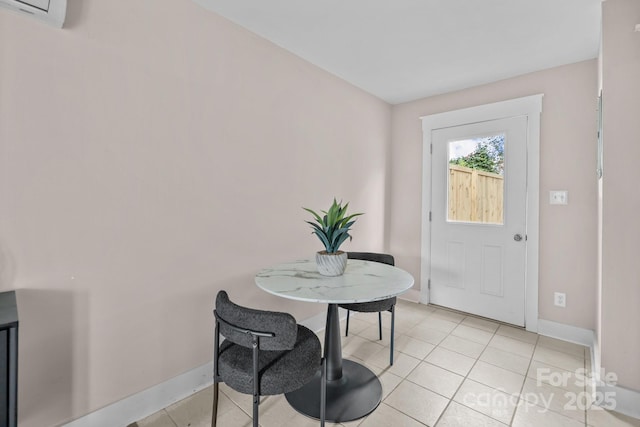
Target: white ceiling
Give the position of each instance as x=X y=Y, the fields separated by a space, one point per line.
x=401 y=50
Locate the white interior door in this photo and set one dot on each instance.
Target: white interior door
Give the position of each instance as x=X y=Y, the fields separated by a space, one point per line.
x=478 y=218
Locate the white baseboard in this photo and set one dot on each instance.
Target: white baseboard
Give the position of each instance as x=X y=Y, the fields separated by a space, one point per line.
x=564 y=332
x=627 y=401
x=412 y=295
x=142 y=404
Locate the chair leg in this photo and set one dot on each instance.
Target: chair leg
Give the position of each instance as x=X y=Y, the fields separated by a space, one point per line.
x=380 y=325
x=346 y=332
x=214 y=407
x=256 y=402
x=393 y=321
x=216 y=349
x=256 y=380
x=323 y=392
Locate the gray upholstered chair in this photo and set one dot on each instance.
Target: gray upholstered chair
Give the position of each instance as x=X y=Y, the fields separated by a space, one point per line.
x=388 y=304
x=264 y=353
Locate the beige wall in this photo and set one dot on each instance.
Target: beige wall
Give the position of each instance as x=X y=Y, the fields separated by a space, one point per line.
x=620 y=331
x=567 y=150
x=152 y=153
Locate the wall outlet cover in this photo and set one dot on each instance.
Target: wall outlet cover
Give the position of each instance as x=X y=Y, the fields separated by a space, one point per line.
x=560 y=299
x=559 y=197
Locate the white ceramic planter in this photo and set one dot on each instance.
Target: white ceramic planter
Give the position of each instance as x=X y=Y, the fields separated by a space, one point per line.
x=331 y=264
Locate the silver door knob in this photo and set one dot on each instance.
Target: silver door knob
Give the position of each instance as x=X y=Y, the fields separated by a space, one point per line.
x=517 y=237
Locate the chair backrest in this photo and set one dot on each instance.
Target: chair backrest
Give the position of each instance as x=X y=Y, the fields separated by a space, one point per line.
x=372 y=256
x=282 y=325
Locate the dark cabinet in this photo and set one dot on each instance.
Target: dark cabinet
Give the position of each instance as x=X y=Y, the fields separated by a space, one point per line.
x=8 y=359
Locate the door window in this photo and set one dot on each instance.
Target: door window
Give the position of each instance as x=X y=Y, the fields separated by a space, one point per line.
x=476 y=180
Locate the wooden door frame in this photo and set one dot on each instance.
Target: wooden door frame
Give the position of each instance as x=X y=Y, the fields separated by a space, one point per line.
x=531 y=107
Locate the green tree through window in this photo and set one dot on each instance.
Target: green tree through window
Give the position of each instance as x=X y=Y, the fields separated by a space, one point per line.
x=488 y=155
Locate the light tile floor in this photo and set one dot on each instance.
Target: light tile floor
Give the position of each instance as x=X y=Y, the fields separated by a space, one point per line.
x=450 y=370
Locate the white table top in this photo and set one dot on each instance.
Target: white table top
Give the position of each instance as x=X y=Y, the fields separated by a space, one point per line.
x=362 y=281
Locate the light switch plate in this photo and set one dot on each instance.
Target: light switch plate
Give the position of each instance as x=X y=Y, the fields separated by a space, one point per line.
x=559 y=197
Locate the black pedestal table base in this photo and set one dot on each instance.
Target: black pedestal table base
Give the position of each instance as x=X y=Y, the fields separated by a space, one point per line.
x=349 y=398
x=353 y=391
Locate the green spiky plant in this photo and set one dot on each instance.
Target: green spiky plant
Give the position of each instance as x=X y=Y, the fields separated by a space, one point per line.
x=332 y=228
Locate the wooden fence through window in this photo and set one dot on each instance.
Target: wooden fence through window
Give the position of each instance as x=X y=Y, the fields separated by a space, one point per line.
x=475 y=195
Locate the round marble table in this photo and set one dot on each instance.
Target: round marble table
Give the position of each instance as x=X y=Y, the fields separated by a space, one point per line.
x=353 y=391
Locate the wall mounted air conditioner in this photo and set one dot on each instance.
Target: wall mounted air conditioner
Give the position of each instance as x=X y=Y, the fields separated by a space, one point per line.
x=52 y=12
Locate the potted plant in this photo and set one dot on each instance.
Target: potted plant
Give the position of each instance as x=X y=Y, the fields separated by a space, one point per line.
x=332 y=228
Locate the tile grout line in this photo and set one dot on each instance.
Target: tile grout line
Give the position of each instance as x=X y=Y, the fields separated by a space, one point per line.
x=170 y=417
x=423 y=360
x=513 y=416
x=486 y=346
x=405 y=378
x=556 y=367
x=465 y=377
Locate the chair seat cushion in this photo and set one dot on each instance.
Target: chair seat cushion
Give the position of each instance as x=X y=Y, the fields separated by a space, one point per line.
x=371 y=307
x=279 y=371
